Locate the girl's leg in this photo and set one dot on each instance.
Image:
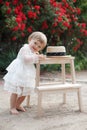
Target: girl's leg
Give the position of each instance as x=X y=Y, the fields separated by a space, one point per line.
x=19 y=102
x=13 y=100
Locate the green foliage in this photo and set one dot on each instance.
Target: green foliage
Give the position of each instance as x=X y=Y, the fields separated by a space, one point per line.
x=83 y=5
x=54 y=67
x=61 y=21
x=81 y=62
x=6 y=58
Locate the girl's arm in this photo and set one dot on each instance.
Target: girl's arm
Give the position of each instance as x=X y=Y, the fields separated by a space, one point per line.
x=31 y=58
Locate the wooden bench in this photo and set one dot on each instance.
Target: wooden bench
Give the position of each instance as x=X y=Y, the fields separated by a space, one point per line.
x=63 y=87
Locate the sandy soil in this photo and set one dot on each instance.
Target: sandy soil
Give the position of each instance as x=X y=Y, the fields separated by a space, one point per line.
x=57 y=116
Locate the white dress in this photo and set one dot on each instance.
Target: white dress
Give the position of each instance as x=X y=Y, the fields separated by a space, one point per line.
x=20 y=78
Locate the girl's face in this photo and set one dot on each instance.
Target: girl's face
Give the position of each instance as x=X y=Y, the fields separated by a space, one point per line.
x=35 y=45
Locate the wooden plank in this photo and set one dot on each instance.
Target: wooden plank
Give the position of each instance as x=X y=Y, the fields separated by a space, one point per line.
x=57 y=60
x=58 y=87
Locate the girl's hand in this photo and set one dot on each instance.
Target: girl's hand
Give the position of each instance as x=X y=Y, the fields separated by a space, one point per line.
x=37 y=53
x=41 y=56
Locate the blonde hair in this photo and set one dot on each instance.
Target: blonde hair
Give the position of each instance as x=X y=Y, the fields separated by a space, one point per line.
x=39 y=36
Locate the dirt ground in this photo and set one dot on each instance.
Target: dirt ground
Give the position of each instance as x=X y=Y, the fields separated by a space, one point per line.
x=57 y=116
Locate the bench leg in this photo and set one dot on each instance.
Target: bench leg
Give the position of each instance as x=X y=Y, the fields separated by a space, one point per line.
x=79 y=99
x=39 y=107
x=64 y=98
x=28 y=101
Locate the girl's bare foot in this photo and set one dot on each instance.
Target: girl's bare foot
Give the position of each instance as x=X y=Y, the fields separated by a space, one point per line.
x=20 y=108
x=13 y=111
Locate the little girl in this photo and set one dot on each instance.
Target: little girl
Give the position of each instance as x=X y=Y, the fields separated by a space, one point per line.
x=20 y=78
